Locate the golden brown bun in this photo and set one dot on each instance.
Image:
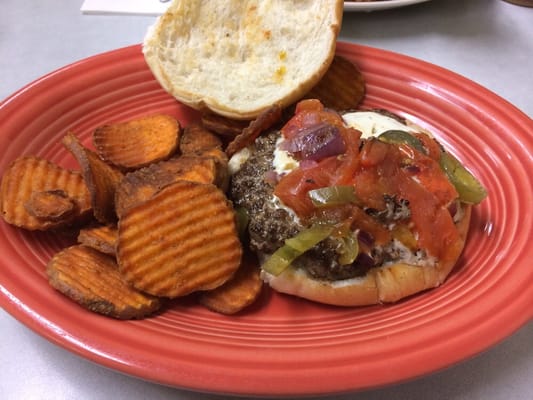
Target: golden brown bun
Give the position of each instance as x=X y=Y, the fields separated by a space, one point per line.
x=381 y=285
x=238 y=57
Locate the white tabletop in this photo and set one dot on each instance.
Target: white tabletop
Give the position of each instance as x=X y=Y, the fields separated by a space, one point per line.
x=487 y=41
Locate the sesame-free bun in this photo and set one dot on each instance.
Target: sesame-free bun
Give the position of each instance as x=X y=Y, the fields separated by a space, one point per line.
x=238 y=57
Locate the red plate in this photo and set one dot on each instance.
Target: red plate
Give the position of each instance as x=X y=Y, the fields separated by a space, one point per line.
x=284 y=345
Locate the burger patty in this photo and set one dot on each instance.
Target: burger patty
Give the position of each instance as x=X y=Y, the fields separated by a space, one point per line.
x=270 y=224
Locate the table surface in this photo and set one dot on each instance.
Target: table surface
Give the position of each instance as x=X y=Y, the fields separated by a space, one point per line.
x=487 y=41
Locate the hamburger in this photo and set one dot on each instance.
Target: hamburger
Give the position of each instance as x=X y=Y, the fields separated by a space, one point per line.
x=345 y=209
x=353 y=208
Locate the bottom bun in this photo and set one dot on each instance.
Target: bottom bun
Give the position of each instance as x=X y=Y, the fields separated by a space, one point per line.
x=385 y=284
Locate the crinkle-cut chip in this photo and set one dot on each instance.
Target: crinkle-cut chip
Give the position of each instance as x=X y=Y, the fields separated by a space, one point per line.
x=216 y=153
x=208 y=166
x=93 y=280
x=197 y=138
x=237 y=293
x=222 y=125
x=52 y=205
x=341 y=88
x=29 y=175
x=221 y=166
x=264 y=121
x=183 y=239
x=138 y=186
x=101 y=178
x=139 y=142
x=198 y=141
x=99 y=237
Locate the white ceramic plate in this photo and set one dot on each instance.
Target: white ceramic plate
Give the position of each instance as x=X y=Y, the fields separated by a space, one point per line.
x=378 y=5
x=156 y=7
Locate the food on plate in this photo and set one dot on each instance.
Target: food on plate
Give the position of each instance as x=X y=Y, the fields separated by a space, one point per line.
x=92 y=279
x=265 y=120
x=37 y=194
x=337 y=209
x=113 y=210
x=101 y=178
x=350 y=208
x=138 y=142
x=181 y=240
x=99 y=237
x=342 y=87
x=353 y=209
x=223 y=126
x=200 y=143
x=52 y=205
x=197 y=138
x=237 y=293
x=237 y=59
x=138 y=186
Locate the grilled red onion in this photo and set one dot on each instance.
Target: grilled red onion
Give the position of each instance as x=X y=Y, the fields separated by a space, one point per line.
x=453 y=208
x=272 y=178
x=306 y=164
x=365 y=238
x=364 y=262
x=411 y=168
x=315 y=142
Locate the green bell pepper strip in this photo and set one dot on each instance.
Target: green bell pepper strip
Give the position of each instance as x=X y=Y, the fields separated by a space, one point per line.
x=349 y=250
x=332 y=196
x=241 y=219
x=295 y=247
x=470 y=190
x=402 y=137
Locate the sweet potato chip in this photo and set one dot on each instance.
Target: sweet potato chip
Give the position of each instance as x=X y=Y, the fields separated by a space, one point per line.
x=341 y=88
x=101 y=178
x=140 y=185
x=183 y=239
x=216 y=153
x=100 y=237
x=92 y=279
x=53 y=205
x=37 y=194
x=139 y=142
x=237 y=293
x=209 y=166
x=196 y=138
x=221 y=166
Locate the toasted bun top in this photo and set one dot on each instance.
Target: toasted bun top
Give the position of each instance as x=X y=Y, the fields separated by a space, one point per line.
x=238 y=57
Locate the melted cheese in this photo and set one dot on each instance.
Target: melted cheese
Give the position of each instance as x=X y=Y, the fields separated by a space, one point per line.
x=372 y=123
x=283 y=162
x=238 y=159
